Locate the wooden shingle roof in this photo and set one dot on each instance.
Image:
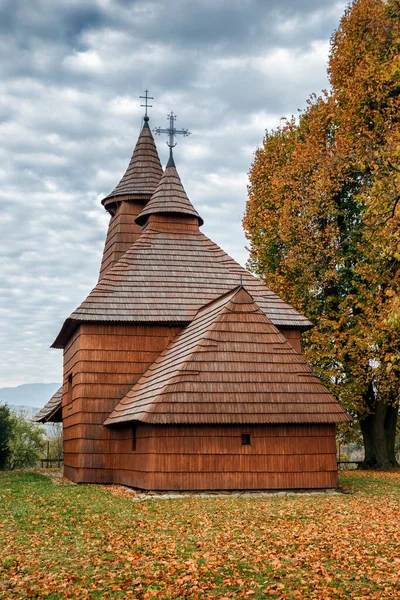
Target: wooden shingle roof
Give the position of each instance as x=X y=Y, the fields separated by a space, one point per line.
x=49 y=410
x=144 y=170
x=166 y=276
x=169 y=197
x=230 y=365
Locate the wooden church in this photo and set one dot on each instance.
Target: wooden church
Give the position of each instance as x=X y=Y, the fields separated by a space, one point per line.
x=183 y=371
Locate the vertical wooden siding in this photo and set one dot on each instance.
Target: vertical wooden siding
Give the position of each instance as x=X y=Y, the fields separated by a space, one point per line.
x=104 y=361
x=208 y=457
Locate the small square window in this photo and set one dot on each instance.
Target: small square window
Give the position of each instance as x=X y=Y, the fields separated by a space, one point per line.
x=246 y=439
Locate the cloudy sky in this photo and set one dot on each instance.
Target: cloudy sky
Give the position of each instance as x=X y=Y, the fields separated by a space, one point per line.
x=71 y=72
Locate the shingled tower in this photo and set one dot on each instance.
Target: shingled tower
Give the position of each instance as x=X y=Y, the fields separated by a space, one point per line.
x=129 y=197
x=181 y=369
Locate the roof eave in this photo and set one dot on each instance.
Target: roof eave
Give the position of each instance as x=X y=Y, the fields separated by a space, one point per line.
x=71 y=325
x=304 y=327
x=68 y=328
x=141 y=219
x=50 y=417
x=152 y=420
x=115 y=197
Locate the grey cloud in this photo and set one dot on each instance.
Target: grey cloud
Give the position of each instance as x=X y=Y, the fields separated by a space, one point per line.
x=71 y=73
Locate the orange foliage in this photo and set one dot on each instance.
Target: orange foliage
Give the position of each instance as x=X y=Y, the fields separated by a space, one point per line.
x=83 y=541
x=323 y=216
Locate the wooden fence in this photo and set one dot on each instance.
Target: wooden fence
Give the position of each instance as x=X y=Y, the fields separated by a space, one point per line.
x=47 y=463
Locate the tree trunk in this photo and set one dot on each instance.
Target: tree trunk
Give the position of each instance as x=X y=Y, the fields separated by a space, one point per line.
x=379 y=434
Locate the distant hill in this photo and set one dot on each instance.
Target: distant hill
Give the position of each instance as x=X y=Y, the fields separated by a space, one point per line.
x=28 y=411
x=28 y=395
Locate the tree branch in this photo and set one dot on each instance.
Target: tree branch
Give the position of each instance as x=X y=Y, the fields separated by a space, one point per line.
x=393 y=166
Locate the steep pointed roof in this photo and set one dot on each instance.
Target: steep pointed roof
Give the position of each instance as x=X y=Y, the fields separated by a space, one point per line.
x=169 y=197
x=230 y=365
x=144 y=170
x=50 y=409
x=165 y=277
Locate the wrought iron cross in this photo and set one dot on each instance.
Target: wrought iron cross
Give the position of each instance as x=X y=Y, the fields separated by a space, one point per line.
x=145 y=98
x=171 y=131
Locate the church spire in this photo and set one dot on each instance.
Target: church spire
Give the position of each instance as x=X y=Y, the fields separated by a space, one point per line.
x=144 y=170
x=131 y=194
x=171 y=162
x=169 y=198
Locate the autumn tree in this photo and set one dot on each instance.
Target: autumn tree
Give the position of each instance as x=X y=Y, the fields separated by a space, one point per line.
x=54 y=441
x=26 y=442
x=323 y=221
x=5 y=435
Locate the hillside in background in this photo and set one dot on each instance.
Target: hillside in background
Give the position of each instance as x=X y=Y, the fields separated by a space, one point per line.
x=27 y=411
x=28 y=395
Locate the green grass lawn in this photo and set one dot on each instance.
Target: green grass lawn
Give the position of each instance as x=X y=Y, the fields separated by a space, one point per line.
x=86 y=541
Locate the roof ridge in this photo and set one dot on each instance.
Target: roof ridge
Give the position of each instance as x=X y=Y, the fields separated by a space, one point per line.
x=267 y=320
x=183 y=384
x=182 y=360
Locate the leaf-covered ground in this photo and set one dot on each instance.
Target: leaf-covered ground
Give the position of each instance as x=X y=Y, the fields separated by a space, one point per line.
x=69 y=541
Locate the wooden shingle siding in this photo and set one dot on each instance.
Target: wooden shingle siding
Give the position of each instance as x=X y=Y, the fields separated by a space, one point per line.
x=292 y=336
x=169 y=198
x=96 y=392
x=193 y=363
x=167 y=276
x=229 y=365
x=175 y=223
x=129 y=198
x=87 y=475
x=204 y=457
x=122 y=233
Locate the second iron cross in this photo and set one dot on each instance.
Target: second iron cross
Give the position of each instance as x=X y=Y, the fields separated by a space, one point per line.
x=171 y=131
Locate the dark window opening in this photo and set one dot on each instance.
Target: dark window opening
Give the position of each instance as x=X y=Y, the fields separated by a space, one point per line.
x=246 y=439
x=134 y=437
x=69 y=389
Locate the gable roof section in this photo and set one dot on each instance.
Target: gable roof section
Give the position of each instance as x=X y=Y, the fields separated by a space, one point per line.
x=170 y=197
x=230 y=365
x=166 y=276
x=49 y=410
x=144 y=170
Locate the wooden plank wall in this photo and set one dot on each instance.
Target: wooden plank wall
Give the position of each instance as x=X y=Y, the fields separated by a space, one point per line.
x=213 y=458
x=104 y=362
